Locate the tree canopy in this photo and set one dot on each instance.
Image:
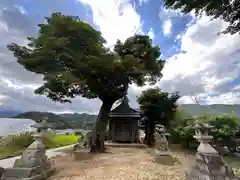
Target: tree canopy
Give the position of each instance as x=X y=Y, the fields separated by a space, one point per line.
x=157 y=108
x=71 y=56
x=228 y=10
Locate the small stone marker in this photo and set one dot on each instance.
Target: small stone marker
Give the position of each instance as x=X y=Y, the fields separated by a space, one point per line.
x=209 y=164
x=161 y=141
x=33 y=164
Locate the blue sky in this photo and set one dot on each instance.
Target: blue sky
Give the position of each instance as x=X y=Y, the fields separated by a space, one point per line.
x=150 y=16
x=198 y=61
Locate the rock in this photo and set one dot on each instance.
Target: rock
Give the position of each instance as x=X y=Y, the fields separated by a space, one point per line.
x=209 y=167
x=1 y=171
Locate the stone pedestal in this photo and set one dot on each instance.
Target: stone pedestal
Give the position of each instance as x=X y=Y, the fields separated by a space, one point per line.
x=209 y=164
x=161 y=143
x=33 y=164
x=210 y=167
x=81 y=144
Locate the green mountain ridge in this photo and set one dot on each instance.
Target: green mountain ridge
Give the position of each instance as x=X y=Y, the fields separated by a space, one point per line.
x=214 y=109
x=85 y=121
x=60 y=121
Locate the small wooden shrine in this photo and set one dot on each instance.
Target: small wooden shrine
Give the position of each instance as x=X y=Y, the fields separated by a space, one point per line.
x=123 y=123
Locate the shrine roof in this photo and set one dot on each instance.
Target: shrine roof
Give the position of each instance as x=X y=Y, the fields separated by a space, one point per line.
x=124 y=110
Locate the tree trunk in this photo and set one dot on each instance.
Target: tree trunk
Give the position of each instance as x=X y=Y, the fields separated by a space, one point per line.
x=99 y=130
x=150 y=135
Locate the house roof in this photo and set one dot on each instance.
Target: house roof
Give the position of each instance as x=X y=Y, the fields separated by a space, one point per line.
x=124 y=110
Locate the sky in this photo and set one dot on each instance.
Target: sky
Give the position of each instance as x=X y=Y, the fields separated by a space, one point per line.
x=199 y=62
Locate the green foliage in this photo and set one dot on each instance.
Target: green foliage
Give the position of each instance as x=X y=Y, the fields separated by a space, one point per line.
x=17 y=143
x=21 y=140
x=71 y=56
x=228 y=10
x=157 y=108
x=79 y=133
x=181 y=129
x=62 y=140
x=225 y=127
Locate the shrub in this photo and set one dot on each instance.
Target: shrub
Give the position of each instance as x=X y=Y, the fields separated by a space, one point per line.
x=78 y=133
x=48 y=136
x=225 y=127
x=182 y=132
x=21 y=141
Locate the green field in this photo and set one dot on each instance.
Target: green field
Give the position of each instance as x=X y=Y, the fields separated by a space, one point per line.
x=16 y=144
x=62 y=140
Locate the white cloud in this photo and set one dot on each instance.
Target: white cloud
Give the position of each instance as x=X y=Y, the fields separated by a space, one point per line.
x=151 y=33
x=169 y=13
x=167 y=26
x=210 y=62
x=226 y=98
x=143 y=2
x=115 y=19
x=17 y=85
x=21 y=9
x=168 y=17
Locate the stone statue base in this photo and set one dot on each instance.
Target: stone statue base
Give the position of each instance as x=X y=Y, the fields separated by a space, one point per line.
x=210 y=167
x=33 y=165
x=35 y=173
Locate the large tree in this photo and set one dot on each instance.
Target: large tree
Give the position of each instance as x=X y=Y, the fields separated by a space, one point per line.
x=228 y=10
x=71 y=57
x=157 y=108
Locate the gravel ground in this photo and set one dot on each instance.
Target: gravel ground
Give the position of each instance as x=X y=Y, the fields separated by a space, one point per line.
x=122 y=164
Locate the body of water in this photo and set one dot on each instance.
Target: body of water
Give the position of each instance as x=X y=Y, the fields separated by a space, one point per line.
x=9 y=126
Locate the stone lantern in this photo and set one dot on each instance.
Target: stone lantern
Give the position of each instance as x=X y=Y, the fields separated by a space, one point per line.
x=42 y=126
x=209 y=164
x=203 y=137
x=33 y=164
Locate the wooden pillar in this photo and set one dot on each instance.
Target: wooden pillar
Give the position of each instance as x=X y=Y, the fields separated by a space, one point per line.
x=136 y=131
x=110 y=129
x=113 y=131
x=132 y=131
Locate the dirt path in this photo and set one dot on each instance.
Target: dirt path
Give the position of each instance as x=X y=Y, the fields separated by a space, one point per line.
x=121 y=164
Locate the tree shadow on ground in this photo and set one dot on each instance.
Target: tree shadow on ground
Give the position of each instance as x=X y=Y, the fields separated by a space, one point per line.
x=84 y=154
x=73 y=162
x=164 y=158
x=167 y=160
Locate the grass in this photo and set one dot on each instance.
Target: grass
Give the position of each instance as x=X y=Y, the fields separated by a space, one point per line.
x=62 y=140
x=17 y=143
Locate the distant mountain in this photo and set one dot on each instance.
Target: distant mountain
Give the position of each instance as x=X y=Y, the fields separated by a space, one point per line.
x=51 y=118
x=85 y=121
x=196 y=109
x=8 y=113
x=76 y=116
x=61 y=121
